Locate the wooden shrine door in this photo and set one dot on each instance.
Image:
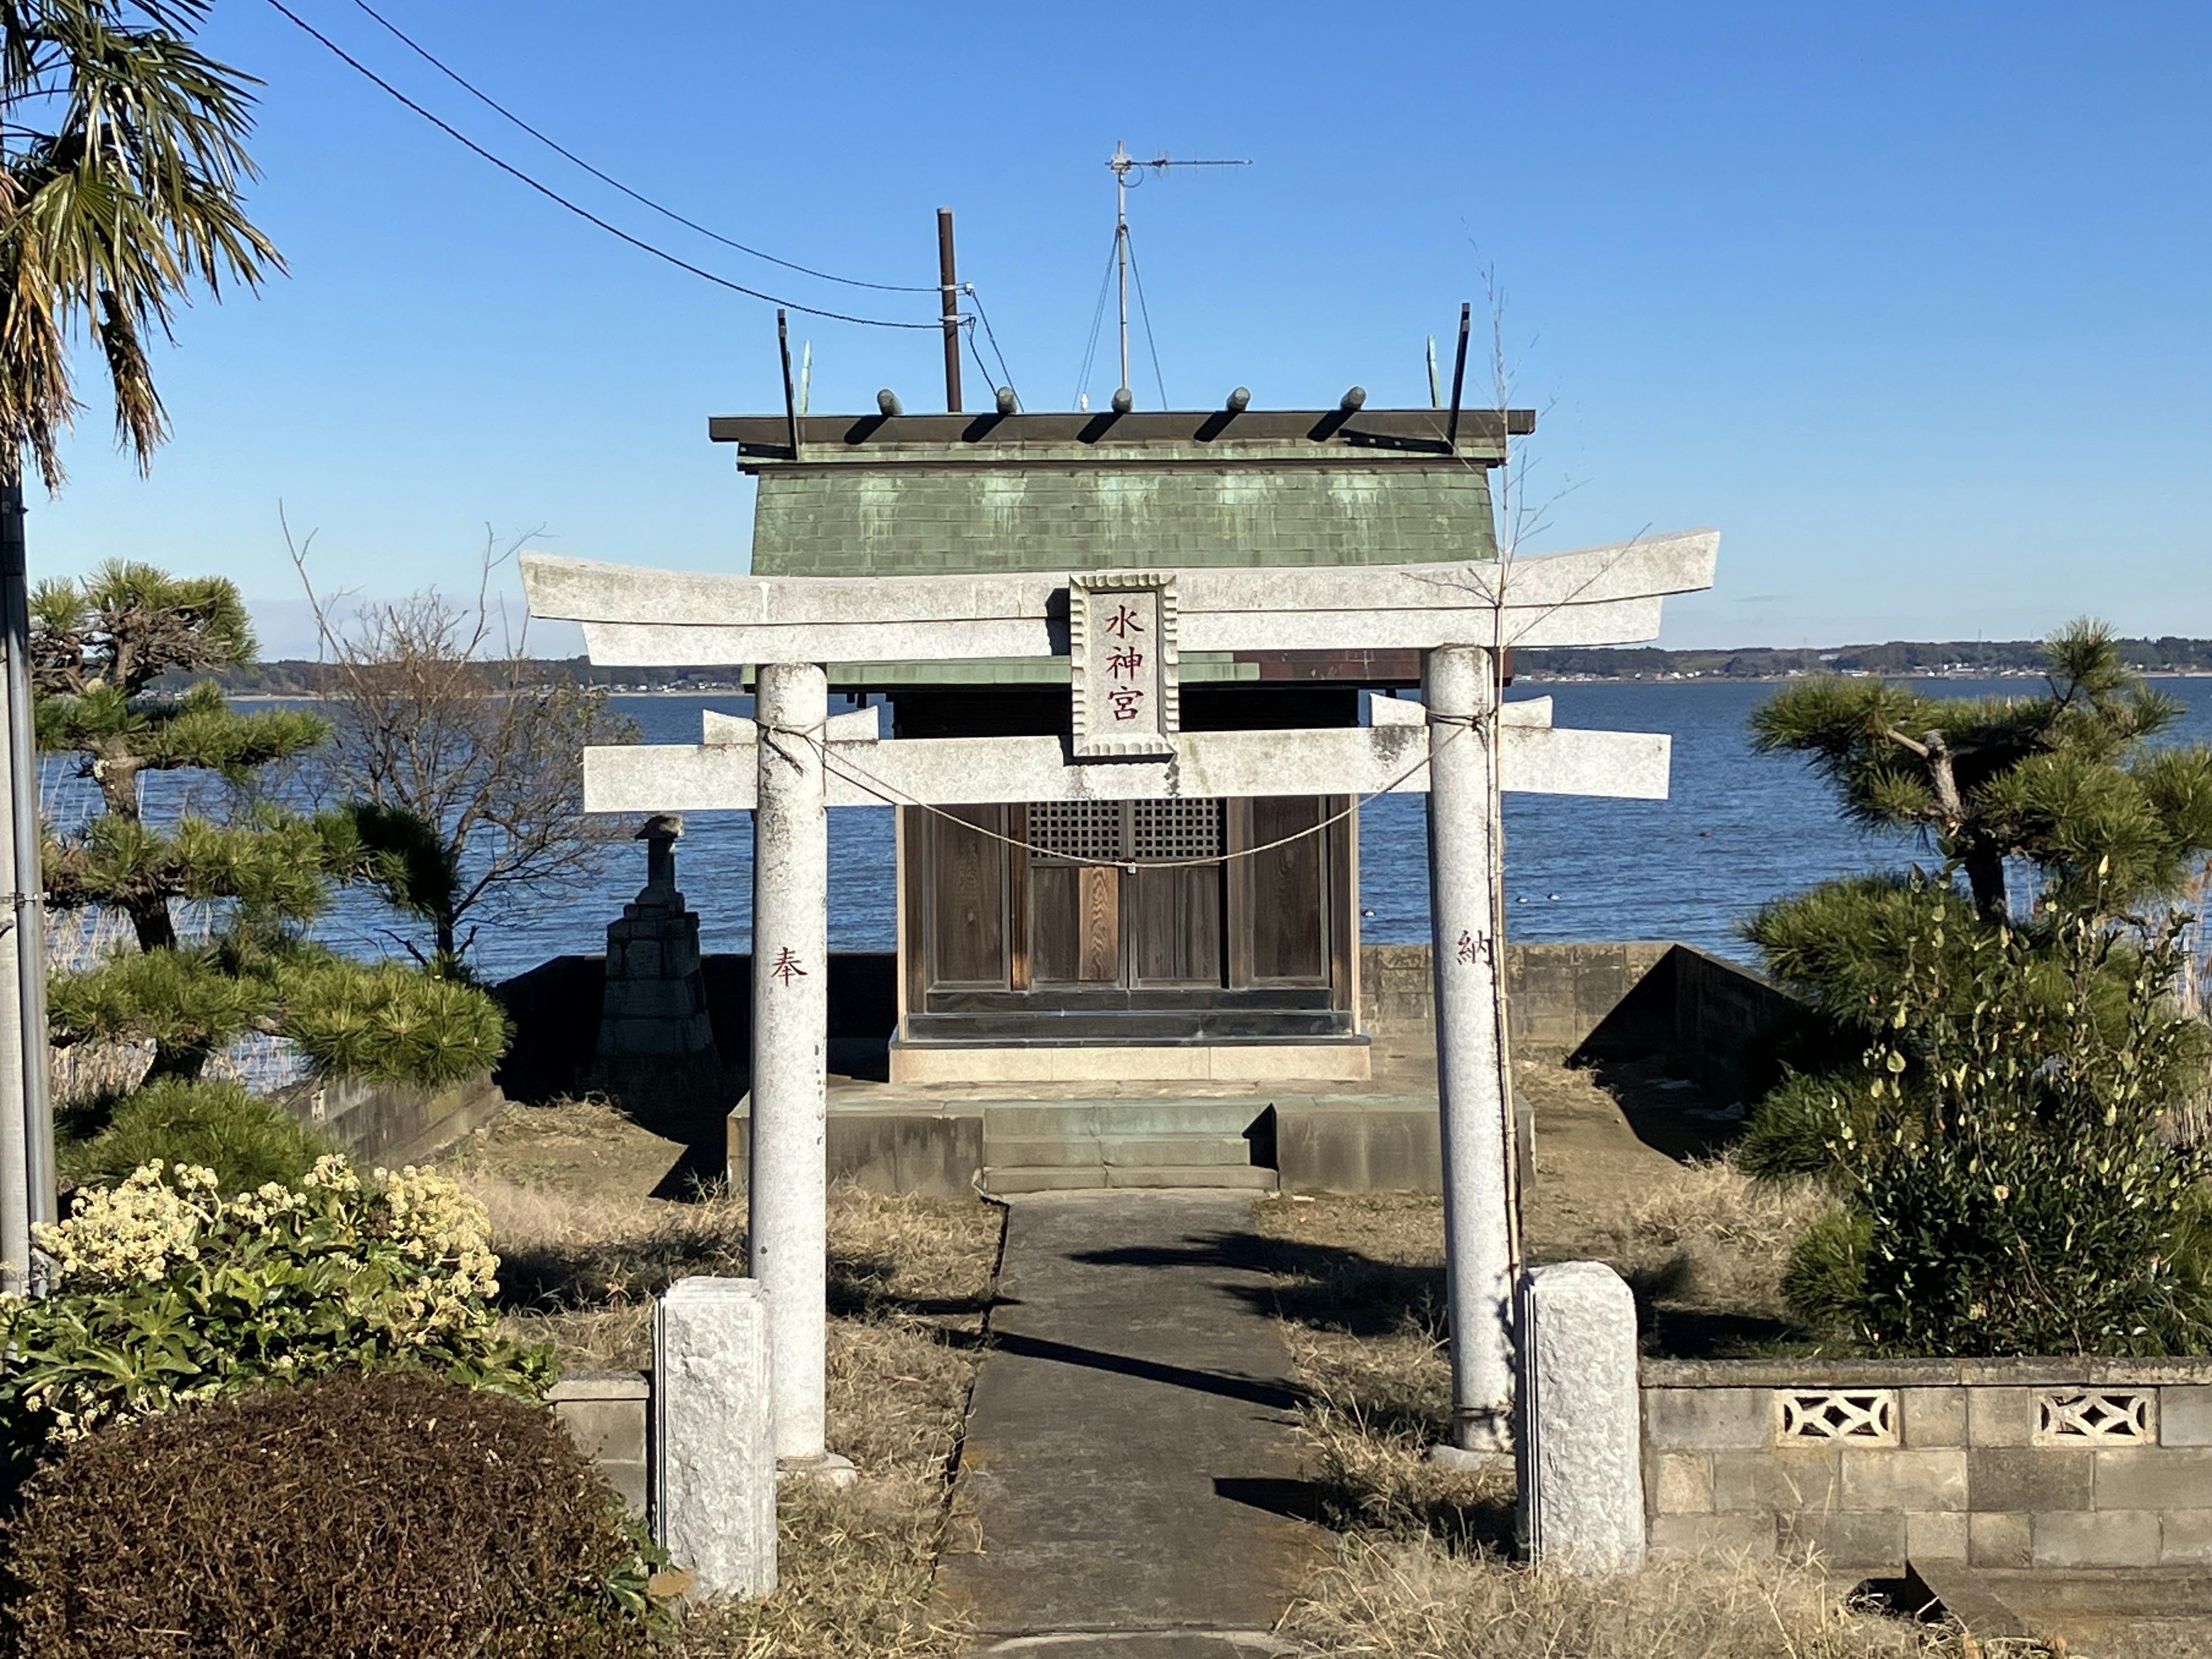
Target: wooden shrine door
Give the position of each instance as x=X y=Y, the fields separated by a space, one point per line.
x=1148 y=919
x=1068 y=904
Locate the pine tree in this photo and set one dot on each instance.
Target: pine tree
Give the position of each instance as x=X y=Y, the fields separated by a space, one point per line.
x=1967 y=1052
x=96 y=649
x=2063 y=780
x=99 y=651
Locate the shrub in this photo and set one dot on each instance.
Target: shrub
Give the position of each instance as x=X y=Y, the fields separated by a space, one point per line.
x=1794 y=1127
x=166 y=1292
x=2003 y=1153
x=390 y=1024
x=379 y=1513
x=247 y=1141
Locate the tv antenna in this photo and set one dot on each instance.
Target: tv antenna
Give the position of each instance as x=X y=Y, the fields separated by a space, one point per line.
x=1122 y=165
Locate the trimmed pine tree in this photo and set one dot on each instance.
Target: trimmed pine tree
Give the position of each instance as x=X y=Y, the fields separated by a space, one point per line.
x=99 y=650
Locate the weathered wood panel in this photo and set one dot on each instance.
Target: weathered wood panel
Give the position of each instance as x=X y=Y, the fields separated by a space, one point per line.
x=1098 y=958
x=968 y=897
x=1288 y=888
x=1175 y=916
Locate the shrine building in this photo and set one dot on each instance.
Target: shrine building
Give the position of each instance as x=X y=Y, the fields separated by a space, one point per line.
x=1074 y=938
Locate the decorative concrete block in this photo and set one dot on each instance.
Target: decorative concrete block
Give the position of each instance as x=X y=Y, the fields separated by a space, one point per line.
x=1846 y=1539
x=2000 y=1540
x=1577 y=1449
x=714 y=1446
x=2187 y=1538
x=2098 y=1537
x=1937 y=1537
x=2153 y=1478
x=1934 y=1417
x=2000 y=1417
x=1707 y=1419
x=2184 y=1416
x=1782 y=1479
x=1682 y=1484
x=1712 y=1535
x=2028 y=1478
x=1913 y=1481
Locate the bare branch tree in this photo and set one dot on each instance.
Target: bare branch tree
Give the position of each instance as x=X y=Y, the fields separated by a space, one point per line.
x=460 y=758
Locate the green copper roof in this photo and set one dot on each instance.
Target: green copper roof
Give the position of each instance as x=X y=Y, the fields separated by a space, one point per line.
x=919 y=520
x=941 y=495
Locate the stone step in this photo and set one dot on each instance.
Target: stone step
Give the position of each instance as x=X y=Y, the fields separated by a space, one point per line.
x=1229 y=1116
x=1035 y=1179
x=1029 y=1151
x=1246 y=1177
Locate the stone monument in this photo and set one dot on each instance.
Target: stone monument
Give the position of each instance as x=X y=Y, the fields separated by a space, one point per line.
x=655 y=1003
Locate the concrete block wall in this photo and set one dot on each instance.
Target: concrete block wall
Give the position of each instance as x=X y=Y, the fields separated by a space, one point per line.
x=608 y=1413
x=1993 y=1462
x=1628 y=997
x=392 y=1124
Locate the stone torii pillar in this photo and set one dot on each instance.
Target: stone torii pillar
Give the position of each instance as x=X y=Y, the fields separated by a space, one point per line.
x=787 y=1216
x=794 y=761
x=1474 y=1094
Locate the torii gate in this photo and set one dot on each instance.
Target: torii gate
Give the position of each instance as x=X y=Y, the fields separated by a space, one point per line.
x=1122 y=631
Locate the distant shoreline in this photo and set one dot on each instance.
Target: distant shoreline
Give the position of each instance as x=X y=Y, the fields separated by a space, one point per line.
x=2169 y=656
x=1519 y=681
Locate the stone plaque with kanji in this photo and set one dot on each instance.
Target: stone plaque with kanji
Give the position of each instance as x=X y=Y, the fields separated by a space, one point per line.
x=1121 y=647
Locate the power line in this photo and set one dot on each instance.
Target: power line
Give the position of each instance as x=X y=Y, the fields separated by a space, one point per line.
x=493 y=103
x=977 y=352
x=555 y=196
x=985 y=318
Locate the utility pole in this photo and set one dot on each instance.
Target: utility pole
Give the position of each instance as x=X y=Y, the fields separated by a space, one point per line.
x=1122 y=164
x=30 y=1185
x=948 y=283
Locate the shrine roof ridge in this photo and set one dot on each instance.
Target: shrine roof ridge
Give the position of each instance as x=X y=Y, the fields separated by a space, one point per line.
x=1170 y=437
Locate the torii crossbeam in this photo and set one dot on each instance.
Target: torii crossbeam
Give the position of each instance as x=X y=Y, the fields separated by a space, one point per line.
x=793 y=761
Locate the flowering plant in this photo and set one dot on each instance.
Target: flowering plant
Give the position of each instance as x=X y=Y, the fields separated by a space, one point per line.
x=166 y=1291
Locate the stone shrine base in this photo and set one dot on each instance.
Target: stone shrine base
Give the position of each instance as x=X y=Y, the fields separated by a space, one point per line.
x=1315 y=1134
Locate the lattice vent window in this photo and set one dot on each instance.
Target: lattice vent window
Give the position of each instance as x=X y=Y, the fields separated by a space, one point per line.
x=1175 y=829
x=2100 y=1417
x=1078 y=828
x=1858 y=1417
x=1123 y=832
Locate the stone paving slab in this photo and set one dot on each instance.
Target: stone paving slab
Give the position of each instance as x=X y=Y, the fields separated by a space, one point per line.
x=1130 y=1450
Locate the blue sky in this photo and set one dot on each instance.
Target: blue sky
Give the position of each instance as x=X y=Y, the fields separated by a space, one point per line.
x=1911 y=301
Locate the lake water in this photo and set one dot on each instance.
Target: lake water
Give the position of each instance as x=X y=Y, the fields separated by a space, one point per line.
x=1737 y=829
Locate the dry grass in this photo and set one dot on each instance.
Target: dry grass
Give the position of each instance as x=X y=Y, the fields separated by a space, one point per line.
x=584 y=1250
x=1360 y=1288
x=1422 y=1571
x=1416 y=1600
x=1712 y=1240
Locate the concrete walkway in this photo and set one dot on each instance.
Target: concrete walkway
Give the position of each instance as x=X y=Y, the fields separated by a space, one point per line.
x=1131 y=1451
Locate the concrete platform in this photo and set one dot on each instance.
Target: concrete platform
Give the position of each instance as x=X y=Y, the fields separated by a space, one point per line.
x=2112 y=1613
x=946 y=1141
x=1131 y=1450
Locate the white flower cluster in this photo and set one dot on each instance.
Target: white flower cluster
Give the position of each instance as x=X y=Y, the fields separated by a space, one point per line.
x=434 y=1220
x=136 y=1230
x=156 y=1219
x=400 y=1261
